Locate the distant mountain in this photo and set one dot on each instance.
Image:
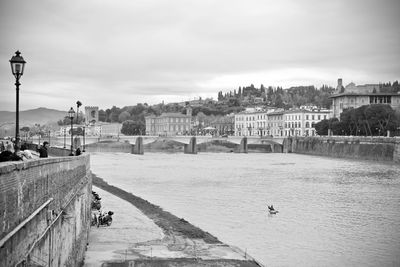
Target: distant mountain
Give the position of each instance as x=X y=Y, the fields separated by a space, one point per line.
x=32 y=116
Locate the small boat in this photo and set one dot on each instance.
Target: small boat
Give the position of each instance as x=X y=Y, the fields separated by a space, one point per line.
x=273 y=211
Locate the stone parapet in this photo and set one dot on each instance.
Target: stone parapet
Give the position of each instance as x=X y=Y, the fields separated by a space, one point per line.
x=369 y=148
x=44 y=211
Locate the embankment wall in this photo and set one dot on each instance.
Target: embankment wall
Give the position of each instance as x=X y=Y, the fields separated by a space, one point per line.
x=109 y=147
x=44 y=211
x=369 y=148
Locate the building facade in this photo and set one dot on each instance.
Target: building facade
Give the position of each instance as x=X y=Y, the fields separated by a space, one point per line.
x=275 y=123
x=279 y=123
x=301 y=122
x=169 y=124
x=354 y=96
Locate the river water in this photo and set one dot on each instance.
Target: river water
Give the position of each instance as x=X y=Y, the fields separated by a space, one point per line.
x=332 y=212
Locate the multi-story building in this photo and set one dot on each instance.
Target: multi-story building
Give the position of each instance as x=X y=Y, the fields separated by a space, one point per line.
x=275 y=123
x=250 y=123
x=301 y=122
x=354 y=96
x=253 y=123
x=224 y=125
x=169 y=124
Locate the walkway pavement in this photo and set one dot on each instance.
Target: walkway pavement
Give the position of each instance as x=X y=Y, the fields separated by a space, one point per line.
x=133 y=236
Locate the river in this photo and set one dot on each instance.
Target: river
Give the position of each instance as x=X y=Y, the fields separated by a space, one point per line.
x=332 y=212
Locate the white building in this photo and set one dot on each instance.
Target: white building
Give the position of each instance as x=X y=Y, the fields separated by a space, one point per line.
x=275 y=123
x=301 y=122
x=252 y=122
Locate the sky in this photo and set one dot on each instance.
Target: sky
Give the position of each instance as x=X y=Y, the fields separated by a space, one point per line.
x=124 y=52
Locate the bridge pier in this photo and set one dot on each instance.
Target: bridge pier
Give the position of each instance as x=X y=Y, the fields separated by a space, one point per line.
x=191 y=148
x=242 y=148
x=137 y=148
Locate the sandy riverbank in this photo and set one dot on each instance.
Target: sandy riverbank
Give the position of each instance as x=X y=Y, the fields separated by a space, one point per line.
x=154 y=237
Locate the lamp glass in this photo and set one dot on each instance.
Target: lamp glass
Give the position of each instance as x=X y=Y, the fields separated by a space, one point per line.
x=71 y=113
x=17 y=65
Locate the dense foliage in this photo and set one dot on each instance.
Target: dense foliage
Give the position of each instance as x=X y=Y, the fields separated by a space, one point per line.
x=368 y=120
x=130 y=127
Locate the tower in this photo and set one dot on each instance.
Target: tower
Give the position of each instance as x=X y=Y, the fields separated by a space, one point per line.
x=91 y=115
x=340 y=88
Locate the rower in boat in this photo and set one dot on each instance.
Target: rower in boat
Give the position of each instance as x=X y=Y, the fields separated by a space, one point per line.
x=272 y=210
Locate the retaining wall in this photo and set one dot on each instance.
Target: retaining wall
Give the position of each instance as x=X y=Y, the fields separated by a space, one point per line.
x=44 y=211
x=107 y=146
x=370 y=148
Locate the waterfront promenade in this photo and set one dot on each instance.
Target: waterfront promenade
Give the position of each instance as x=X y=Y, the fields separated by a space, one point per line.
x=133 y=237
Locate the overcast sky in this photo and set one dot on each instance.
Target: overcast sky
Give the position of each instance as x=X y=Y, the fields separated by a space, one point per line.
x=123 y=52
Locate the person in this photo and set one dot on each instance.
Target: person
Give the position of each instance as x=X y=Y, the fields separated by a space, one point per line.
x=8 y=154
x=25 y=154
x=271 y=208
x=43 y=150
x=78 y=151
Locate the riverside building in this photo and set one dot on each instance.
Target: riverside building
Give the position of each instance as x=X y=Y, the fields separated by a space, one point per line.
x=251 y=123
x=301 y=122
x=279 y=123
x=354 y=96
x=169 y=124
x=275 y=123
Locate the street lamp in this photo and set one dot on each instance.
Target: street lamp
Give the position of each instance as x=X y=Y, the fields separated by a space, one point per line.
x=84 y=133
x=78 y=104
x=64 y=135
x=71 y=115
x=17 y=68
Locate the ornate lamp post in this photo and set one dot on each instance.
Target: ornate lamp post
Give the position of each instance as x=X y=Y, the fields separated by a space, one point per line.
x=78 y=104
x=84 y=133
x=17 y=68
x=71 y=115
x=64 y=135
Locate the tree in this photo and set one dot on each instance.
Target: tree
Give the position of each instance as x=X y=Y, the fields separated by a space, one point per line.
x=102 y=115
x=322 y=127
x=381 y=118
x=131 y=127
x=125 y=115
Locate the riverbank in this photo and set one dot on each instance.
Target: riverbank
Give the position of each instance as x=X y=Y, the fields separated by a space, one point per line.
x=182 y=243
x=357 y=147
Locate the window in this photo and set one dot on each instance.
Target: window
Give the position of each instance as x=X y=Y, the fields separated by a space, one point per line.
x=319 y=117
x=306 y=117
x=312 y=117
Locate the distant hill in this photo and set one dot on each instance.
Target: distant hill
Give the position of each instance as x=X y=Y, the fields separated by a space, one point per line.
x=32 y=116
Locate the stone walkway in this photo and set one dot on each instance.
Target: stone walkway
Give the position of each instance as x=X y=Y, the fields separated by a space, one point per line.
x=133 y=236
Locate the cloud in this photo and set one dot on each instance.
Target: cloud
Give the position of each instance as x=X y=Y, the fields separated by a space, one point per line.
x=117 y=53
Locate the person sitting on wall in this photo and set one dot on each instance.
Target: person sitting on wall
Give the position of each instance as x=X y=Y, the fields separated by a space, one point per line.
x=8 y=154
x=25 y=154
x=78 y=151
x=43 y=150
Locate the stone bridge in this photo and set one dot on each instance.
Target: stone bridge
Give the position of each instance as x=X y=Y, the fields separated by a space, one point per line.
x=190 y=142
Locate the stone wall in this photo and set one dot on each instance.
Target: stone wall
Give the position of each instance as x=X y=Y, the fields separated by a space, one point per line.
x=378 y=149
x=108 y=146
x=44 y=211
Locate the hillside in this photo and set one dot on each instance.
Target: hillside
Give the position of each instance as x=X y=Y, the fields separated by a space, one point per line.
x=33 y=116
